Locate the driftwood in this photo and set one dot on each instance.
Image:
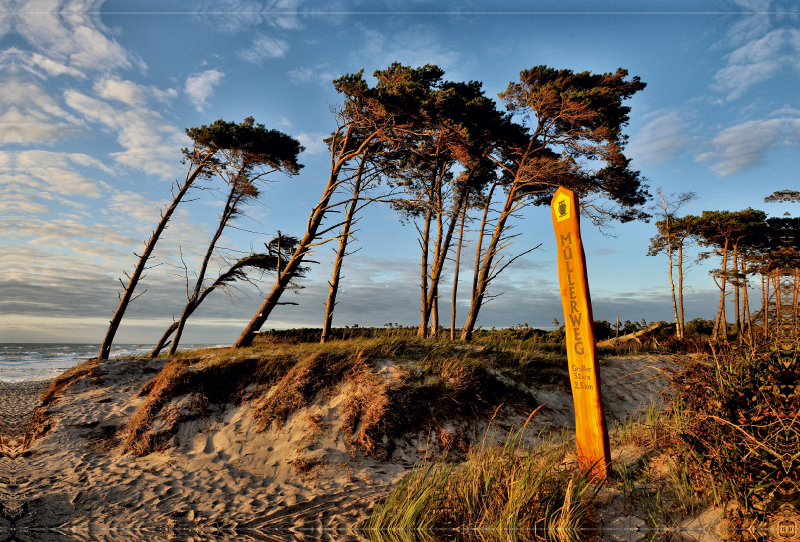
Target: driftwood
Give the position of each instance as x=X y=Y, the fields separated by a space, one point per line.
x=633 y=336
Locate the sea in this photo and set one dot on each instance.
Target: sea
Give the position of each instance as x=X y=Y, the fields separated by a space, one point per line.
x=31 y=361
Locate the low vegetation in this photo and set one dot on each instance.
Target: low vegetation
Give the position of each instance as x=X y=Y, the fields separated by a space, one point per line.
x=503 y=491
x=434 y=382
x=726 y=441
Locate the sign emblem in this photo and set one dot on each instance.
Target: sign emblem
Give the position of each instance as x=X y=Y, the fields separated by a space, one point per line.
x=562 y=207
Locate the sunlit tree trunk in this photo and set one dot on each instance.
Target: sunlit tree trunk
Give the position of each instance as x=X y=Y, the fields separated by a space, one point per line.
x=671 y=281
x=736 y=286
x=746 y=312
x=765 y=302
x=236 y=194
x=721 y=310
x=794 y=301
x=681 y=316
x=133 y=279
x=330 y=304
x=455 y=276
x=778 y=307
x=424 y=244
x=472 y=317
x=338 y=160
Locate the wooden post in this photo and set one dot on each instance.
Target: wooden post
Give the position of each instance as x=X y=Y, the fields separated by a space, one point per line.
x=591 y=434
x=617 y=336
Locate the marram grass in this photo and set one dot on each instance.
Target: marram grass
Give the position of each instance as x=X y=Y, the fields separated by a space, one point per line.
x=505 y=491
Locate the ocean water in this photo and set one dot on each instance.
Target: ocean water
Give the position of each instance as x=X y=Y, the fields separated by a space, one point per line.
x=30 y=361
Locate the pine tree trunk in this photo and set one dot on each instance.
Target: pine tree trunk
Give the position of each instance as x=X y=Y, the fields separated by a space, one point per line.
x=435 y=312
x=681 y=321
x=314 y=222
x=466 y=331
x=424 y=243
x=443 y=243
x=736 y=286
x=330 y=304
x=765 y=303
x=671 y=281
x=746 y=305
x=162 y=342
x=455 y=276
x=794 y=301
x=721 y=309
x=778 y=307
x=191 y=305
x=125 y=299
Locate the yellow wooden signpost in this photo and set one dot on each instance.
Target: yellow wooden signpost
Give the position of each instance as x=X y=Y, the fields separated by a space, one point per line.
x=591 y=434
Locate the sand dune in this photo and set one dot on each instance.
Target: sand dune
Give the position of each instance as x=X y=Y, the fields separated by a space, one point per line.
x=219 y=471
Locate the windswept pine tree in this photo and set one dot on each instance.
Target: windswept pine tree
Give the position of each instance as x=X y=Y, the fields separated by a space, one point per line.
x=248 y=154
x=210 y=146
x=673 y=234
x=572 y=122
x=367 y=120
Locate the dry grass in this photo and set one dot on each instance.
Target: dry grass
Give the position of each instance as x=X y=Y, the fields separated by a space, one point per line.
x=69 y=377
x=39 y=425
x=310 y=375
x=435 y=382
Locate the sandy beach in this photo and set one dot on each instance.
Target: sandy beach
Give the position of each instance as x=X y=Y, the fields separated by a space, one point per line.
x=219 y=470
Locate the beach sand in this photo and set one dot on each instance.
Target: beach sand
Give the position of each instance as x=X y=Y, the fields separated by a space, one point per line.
x=220 y=471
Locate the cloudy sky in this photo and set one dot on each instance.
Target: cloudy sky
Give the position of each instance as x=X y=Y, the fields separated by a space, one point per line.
x=95 y=96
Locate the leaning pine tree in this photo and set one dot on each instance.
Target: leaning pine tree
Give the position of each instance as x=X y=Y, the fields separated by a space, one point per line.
x=573 y=121
x=200 y=159
x=364 y=121
x=251 y=153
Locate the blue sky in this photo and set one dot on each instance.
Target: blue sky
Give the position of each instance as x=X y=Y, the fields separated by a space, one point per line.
x=95 y=95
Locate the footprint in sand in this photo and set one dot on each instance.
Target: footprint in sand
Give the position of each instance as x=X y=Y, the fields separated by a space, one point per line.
x=209 y=449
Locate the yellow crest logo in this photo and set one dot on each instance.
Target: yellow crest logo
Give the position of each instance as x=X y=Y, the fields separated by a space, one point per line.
x=562 y=206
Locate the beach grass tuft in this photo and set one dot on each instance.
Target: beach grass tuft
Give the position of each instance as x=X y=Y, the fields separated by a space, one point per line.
x=503 y=491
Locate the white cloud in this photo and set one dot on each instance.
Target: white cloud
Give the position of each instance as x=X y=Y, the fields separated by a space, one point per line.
x=151 y=144
x=317 y=75
x=665 y=136
x=761 y=51
x=240 y=14
x=313 y=142
x=262 y=48
x=415 y=46
x=114 y=88
x=54 y=68
x=758 y=60
x=30 y=116
x=65 y=32
x=746 y=145
x=200 y=87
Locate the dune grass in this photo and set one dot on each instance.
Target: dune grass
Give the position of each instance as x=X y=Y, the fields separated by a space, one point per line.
x=436 y=381
x=502 y=491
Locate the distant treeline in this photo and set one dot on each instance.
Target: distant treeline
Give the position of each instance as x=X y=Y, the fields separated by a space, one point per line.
x=747 y=244
x=698 y=329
